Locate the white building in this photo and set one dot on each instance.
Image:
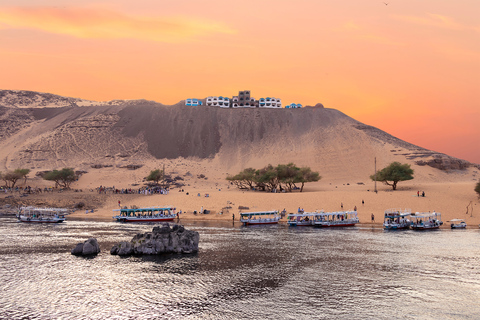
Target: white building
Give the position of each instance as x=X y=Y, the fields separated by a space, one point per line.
x=223 y=102
x=270 y=102
x=293 y=106
x=243 y=100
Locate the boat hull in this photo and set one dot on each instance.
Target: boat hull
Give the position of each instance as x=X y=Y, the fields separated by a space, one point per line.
x=41 y=221
x=425 y=227
x=127 y=219
x=396 y=227
x=331 y=225
x=256 y=223
x=301 y=224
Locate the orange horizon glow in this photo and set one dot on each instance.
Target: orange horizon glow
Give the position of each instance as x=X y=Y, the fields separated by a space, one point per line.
x=410 y=68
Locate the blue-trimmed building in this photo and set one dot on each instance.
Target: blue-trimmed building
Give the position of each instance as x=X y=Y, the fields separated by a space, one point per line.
x=293 y=106
x=193 y=102
x=270 y=102
x=222 y=102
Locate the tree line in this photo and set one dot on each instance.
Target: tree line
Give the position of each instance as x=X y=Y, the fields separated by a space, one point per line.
x=283 y=177
x=62 y=178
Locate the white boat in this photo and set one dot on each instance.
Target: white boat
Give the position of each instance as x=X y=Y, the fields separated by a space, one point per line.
x=336 y=219
x=42 y=215
x=260 y=217
x=151 y=214
x=301 y=219
x=458 y=223
x=396 y=219
x=426 y=220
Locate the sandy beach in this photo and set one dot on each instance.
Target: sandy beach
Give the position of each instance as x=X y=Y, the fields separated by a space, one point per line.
x=222 y=199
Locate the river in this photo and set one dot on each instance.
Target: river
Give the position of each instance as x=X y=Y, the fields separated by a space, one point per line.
x=257 y=272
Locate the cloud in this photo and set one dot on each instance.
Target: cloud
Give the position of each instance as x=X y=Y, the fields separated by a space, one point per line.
x=106 y=24
x=435 y=20
x=364 y=34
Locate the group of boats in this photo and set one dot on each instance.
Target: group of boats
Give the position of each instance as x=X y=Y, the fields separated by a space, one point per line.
x=394 y=219
x=317 y=219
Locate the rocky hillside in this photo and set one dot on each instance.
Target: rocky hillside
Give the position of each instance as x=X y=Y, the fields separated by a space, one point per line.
x=32 y=99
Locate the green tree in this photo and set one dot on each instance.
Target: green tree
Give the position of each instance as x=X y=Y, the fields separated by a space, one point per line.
x=62 y=178
x=477 y=188
x=244 y=180
x=281 y=177
x=287 y=174
x=23 y=172
x=11 y=177
x=394 y=172
x=306 y=174
x=155 y=175
x=267 y=178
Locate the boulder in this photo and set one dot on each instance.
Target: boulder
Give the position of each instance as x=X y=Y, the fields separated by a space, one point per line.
x=162 y=239
x=124 y=248
x=88 y=248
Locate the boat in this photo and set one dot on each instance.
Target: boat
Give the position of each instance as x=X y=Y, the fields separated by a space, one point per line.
x=301 y=219
x=260 y=217
x=336 y=219
x=425 y=220
x=396 y=219
x=458 y=224
x=151 y=214
x=41 y=215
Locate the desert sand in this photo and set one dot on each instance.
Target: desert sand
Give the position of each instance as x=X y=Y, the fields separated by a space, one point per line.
x=447 y=193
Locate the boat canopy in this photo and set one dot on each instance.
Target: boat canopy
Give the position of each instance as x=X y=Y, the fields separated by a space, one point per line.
x=309 y=214
x=259 y=213
x=57 y=210
x=153 y=209
x=395 y=213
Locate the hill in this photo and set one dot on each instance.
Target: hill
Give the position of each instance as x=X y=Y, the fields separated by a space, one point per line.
x=44 y=131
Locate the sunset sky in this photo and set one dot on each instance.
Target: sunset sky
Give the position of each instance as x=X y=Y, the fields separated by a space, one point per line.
x=409 y=67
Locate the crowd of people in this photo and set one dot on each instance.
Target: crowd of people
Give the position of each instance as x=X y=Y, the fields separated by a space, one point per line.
x=27 y=189
x=142 y=190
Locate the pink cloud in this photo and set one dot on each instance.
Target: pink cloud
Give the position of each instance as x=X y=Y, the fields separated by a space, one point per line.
x=107 y=24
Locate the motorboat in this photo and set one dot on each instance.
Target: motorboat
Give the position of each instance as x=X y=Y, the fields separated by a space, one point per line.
x=259 y=217
x=42 y=215
x=425 y=220
x=336 y=219
x=150 y=214
x=396 y=219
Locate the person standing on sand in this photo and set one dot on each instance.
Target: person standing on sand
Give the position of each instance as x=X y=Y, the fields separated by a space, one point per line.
x=373 y=218
x=355 y=208
x=418 y=193
x=233 y=216
x=341 y=205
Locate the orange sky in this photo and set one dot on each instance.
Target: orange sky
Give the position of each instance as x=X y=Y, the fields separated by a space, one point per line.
x=411 y=68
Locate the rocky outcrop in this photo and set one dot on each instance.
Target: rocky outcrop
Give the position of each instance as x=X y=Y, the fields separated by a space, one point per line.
x=162 y=239
x=88 y=248
x=445 y=163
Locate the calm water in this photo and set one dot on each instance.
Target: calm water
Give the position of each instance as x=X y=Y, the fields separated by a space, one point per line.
x=271 y=272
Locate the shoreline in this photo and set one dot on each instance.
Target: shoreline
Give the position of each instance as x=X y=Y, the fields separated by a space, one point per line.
x=447 y=198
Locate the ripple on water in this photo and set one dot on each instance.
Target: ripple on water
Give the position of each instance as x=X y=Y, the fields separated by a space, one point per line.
x=271 y=272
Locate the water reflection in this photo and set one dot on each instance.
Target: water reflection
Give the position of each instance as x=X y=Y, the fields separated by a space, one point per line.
x=257 y=272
